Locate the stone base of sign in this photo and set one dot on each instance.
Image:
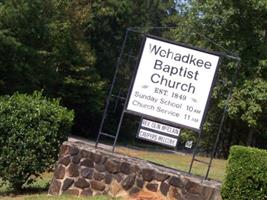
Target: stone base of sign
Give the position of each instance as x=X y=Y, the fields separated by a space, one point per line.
x=83 y=170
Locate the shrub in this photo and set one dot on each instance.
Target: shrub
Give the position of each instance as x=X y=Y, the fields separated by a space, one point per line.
x=246 y=174
x=32 y=128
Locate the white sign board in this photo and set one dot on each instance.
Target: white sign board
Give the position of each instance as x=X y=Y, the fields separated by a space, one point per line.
x=172 y=83
x=160 y=127
x=156 y=137
x=189 y=144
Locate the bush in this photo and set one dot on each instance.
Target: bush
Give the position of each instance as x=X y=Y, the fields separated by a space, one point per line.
x=246 y=174
x=32 y=128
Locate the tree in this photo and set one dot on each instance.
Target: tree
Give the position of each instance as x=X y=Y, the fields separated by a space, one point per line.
x=104 y=24
x=43 y=47
x=241 y=27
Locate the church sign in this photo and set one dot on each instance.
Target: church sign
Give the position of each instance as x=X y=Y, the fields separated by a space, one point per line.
x=173 y=83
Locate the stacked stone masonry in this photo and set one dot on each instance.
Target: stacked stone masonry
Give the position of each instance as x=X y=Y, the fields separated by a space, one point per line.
x=83 y=170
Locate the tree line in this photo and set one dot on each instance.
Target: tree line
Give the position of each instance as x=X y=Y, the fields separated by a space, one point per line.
x=69 y=49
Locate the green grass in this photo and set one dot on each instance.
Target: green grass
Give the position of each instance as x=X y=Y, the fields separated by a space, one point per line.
x=38 y=191
x=181 y=162
x=40 y=186
x=32 y=194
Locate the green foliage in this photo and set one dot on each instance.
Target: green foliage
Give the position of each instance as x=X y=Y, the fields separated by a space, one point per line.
x=32 y=128
x=246 y=174
x=187 y=136
x=105 y=22
x=69 y=49
x=232 y=25
x=249 y=102
x=43 y=47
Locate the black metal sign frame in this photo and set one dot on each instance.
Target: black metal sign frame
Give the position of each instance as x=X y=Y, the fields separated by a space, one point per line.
x=138 y=30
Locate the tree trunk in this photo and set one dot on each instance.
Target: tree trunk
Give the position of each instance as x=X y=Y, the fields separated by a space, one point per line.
x=228 y=142
x=250 y=137
x=265 y=38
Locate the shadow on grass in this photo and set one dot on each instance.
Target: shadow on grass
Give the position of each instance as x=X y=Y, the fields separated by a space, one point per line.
x=24 y=191
x=41 y=185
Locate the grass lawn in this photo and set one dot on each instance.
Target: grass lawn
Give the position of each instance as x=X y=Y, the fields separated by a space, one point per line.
x=38 y=190
x=180 y=161
x=40 y=187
